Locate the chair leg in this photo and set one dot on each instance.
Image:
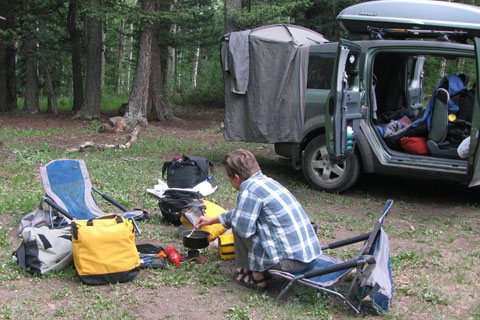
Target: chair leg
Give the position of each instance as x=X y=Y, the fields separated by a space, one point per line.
x=285 y=289
x=354 y=282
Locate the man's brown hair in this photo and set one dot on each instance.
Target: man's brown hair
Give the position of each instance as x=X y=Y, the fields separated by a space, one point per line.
x=241 y=162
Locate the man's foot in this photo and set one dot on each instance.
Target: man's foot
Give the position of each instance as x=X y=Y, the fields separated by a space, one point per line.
x=239 y=271
x=252 y=280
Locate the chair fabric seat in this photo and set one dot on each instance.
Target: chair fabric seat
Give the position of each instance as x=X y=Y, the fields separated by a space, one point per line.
x=67 y=183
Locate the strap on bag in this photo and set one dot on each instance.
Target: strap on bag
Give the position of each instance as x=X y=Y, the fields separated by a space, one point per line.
x=166 y=166
x=118 y=218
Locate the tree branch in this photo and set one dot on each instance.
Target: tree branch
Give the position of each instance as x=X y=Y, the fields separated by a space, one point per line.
x=102 y=146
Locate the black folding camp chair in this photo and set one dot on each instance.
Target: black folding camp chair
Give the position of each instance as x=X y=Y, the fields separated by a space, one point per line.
x=69 y=192
x=372 y=279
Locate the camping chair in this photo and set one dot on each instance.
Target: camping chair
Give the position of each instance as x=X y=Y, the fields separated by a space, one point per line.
x=69 y=192
x=326 y=270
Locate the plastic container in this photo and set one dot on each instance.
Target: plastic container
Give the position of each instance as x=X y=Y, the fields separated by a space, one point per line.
x=173 y=255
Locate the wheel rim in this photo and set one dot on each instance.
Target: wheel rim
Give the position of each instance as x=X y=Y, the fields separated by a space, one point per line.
x=323 y=169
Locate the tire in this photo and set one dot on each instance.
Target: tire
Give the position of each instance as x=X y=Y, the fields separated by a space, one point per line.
x=321 y=174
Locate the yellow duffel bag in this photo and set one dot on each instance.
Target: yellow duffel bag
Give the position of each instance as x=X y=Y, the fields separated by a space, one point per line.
x=104 y=250
x=212 y=210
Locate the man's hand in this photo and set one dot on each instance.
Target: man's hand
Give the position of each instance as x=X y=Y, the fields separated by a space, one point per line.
x=204 y=221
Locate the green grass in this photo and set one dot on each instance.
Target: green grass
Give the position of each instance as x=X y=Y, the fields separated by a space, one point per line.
x=428 y=254
x=109 y=103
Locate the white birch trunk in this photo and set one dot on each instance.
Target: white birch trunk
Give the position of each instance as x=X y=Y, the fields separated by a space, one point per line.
x=195 y=67
x=442 y=68
x=130 y=53
x=104 y=48
x=178 y=65
x=170 y=70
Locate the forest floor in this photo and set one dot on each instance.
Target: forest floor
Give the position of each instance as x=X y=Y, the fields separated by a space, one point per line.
x=433 y=228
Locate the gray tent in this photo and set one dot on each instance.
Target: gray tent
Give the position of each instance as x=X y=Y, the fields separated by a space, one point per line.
x=265 y=76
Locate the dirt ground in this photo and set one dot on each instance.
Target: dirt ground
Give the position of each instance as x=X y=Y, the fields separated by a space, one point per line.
x=420 y=200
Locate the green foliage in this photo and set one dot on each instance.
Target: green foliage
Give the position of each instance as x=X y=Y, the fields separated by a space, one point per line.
x=111 y=102
x=238 y=313
x=437 y=67
x=320 y=15
x=204 y=96
x=262 y=15
x=5 y=239
x=405 y=260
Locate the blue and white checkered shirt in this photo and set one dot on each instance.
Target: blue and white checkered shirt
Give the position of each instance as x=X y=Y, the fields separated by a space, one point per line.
x=277 y=223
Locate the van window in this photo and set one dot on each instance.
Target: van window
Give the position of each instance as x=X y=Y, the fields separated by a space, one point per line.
x=320 y=70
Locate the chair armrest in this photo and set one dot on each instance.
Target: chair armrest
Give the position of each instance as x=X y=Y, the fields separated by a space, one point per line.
x=52 y=204
x=341 y=266
x=346 y=242
x=111 y=200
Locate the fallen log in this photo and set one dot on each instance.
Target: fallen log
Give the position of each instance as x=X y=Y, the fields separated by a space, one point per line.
x=89 y=144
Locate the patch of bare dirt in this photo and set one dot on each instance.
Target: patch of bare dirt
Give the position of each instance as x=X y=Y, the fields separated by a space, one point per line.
x=187 y=123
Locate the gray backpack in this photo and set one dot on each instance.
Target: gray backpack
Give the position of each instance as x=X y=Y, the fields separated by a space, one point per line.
x=44 y=249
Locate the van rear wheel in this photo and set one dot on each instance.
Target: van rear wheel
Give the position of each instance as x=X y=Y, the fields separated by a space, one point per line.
x=322 y=174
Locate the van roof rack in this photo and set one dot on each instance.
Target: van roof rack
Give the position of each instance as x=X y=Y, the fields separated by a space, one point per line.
x=441 y=35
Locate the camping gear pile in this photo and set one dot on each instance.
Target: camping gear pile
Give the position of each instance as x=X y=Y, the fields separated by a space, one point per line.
x=69 y=226
x=103 y=249
x=189 y=179
x=73 y=228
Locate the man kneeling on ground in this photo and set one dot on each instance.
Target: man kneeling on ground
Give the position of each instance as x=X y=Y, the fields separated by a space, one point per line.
x=270 y=227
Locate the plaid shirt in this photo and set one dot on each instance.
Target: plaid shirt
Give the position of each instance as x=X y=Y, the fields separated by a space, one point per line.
x=270 y=214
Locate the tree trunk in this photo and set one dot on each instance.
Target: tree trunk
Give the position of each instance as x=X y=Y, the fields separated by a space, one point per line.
x=3 y=79
x=195 y=67
x=3 y=60
x=130 y=53
x=31 y=77
x=158 y=107
x=51 y=91
x=247 y=4
x=178 y=66
x=104 y=49
x=76 y=49
x=93 y=36
x=11 y=66
x=231 y=6
x=443 y=66
x=170 y=71
x=8 y=83
x=137 y=104
x=118 y=67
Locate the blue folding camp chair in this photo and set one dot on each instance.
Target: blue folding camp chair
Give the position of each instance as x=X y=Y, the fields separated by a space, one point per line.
x=372 y=279
x=69 y=192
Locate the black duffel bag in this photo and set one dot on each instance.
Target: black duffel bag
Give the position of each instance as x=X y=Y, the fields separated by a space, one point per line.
x=187 y=171
x=174 y=203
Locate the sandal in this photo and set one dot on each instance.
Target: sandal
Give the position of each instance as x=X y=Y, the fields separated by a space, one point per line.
x=251 y=283
x=239 y=271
